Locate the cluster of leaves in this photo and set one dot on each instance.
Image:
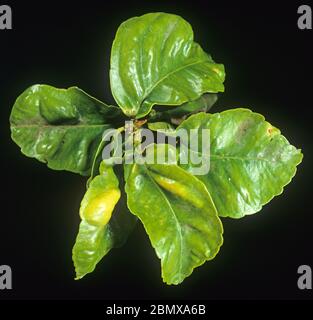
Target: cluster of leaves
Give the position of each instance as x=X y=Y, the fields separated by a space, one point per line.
x=156 y=63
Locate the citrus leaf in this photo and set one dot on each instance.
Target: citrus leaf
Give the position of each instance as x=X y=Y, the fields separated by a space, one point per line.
x=103 y=225
x=178 y=215
x=154 y=60
x=61 y=127
x=92 y=244
x=250 y=161
x=204 y=104
x=160 y=126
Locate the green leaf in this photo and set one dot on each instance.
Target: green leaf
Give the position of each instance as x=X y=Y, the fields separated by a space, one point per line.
x=154 y=60
x=101 y=197
x=61 y=127
x=178 y=214
x=92 y=244
x=160 y=126
x=98 y=232
x=98 y=157
x=204 y=103
x=250 y=163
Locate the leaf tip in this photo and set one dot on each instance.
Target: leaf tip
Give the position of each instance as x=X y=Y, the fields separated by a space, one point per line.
x=78 y=277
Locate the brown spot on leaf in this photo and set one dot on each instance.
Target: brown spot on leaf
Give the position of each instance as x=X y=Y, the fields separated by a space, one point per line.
x=243 y=128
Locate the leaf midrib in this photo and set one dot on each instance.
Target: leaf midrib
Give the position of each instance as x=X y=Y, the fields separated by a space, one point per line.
x=227 y=157
x=240 y=158
x=148 y=91
x=175 y=217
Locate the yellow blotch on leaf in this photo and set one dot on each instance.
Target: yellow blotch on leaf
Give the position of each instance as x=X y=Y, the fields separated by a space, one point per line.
x=178 y=190
x=99 y=209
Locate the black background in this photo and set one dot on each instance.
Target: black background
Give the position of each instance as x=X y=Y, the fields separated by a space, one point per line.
x=268 y=62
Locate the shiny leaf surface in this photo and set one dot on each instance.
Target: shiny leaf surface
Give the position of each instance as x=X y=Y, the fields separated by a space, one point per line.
x=178 y=214
x=160 y=126
x=250 y=163
x=92 y=244
x=61 y=127
x=204 y=103
x=101 y=197
x=103 y=226
x=154 y=60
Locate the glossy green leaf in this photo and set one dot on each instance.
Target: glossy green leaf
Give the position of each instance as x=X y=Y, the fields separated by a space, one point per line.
x=61 y=127
x=204 y=103
x=160 y=126
x=98 y=156
x=250 y=163
x=92 y=244
x=178 y=214
x=98 y=231
x=154 y=60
